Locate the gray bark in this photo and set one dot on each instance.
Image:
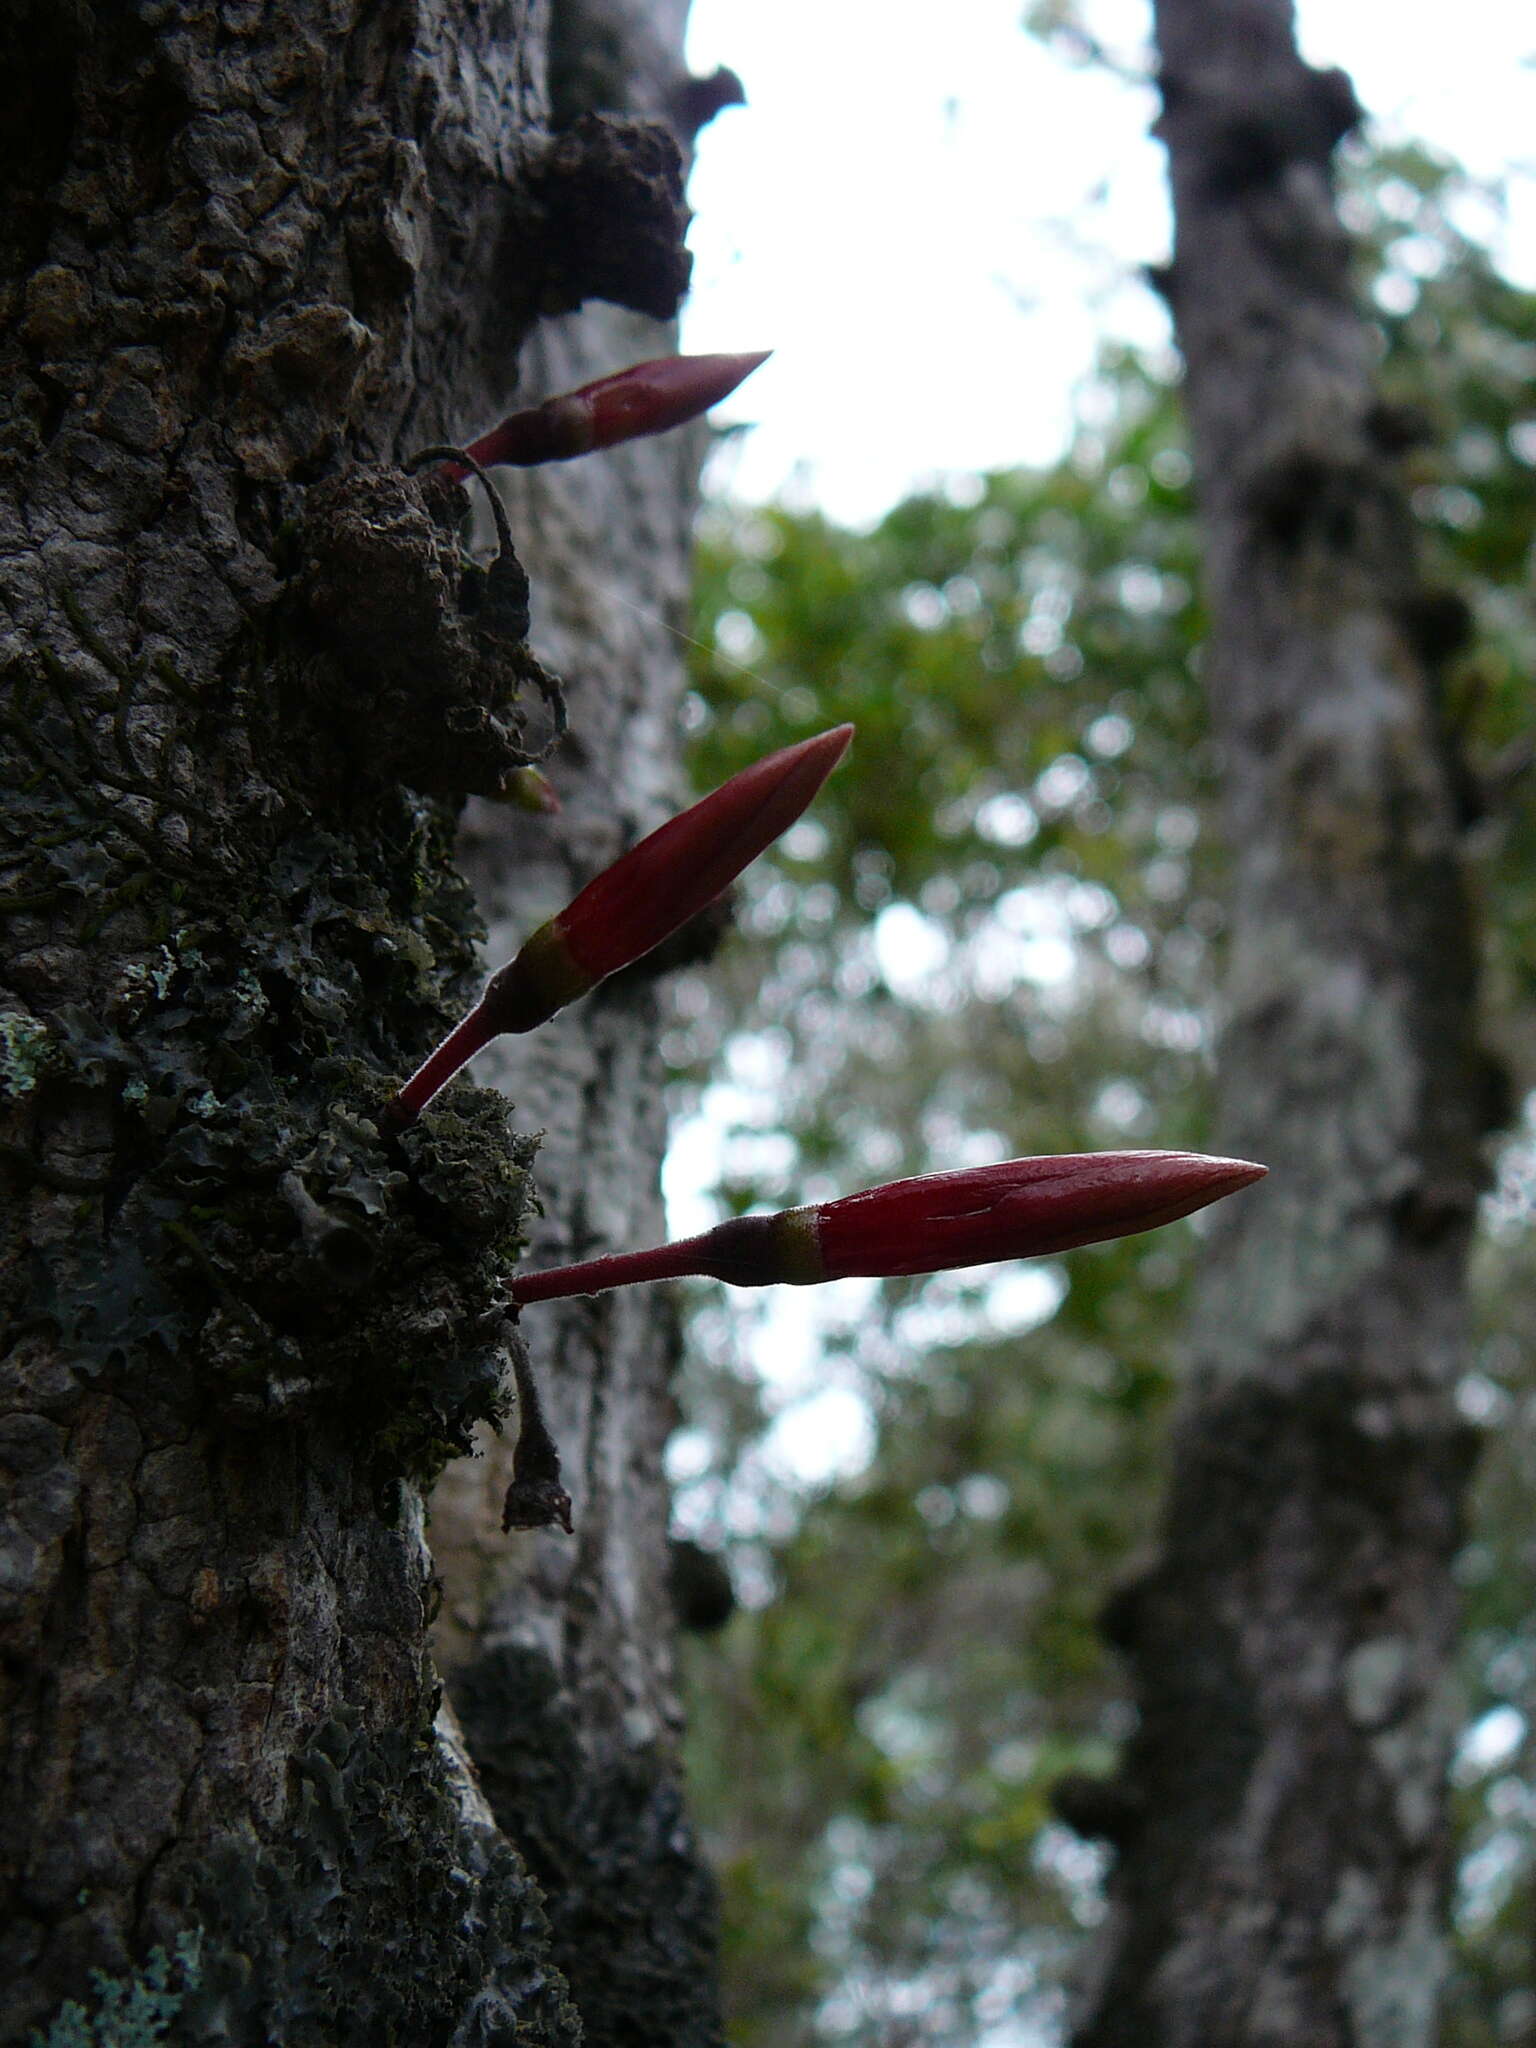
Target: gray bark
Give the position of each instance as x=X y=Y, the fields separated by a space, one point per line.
x=253 y=256
x=1282 y=1829
x=580 y=1632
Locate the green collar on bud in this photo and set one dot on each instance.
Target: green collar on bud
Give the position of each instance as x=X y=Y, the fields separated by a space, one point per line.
x=542 y=979
x=797 y=1247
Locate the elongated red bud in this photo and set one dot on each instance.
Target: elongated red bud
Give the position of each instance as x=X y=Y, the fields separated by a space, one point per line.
x=1023 y=1209
x=647 y=398
x=626 y=911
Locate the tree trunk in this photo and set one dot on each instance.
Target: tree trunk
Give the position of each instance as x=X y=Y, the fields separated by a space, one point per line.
x=1282 y=1830
x=558 y=1653
x=253 y=257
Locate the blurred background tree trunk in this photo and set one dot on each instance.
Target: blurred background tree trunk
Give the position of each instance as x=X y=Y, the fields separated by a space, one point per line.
x=1281 y=1819
x=246 y=693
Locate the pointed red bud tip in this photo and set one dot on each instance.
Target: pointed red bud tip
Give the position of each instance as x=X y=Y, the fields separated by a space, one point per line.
x=632 y=906
x=1023 y=1209
x=685 y=864
x=647 y=398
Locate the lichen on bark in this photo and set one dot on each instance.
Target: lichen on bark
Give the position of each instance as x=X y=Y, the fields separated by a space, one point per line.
x=256 y=257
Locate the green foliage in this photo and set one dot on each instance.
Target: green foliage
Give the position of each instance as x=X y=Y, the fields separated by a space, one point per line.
x=1458 y=344
x=1019 y=672
x=999 y=932
x=1023 y=808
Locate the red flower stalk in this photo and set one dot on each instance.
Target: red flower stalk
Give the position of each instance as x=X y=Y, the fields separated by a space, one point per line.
x=632 y=906
x=647 y=398
x=1022 y=1209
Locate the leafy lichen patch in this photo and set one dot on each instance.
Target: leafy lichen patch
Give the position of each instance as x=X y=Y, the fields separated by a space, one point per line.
x=632 y=1907
x=303 y=1938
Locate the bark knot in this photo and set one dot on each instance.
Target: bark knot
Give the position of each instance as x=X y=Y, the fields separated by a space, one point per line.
x=424 y=663
x=611 y=193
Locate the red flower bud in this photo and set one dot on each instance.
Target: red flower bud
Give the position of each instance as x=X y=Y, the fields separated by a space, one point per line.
x=632 y=906
x=647 y=398
x=1023 y=1209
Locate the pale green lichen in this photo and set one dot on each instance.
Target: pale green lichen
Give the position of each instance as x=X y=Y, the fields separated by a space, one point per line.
x=25 y=1047
x=249 y=994
x=131 y=2012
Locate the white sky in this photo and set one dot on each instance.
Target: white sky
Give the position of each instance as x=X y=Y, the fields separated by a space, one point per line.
x=934 y=228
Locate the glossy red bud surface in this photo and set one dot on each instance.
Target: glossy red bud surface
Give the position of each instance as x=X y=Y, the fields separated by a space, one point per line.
x=1021 y=1209
x=685 y=864
x=647 y=398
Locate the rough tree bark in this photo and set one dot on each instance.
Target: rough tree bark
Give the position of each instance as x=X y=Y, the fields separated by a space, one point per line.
x=1281 y=1819
x=251 y=257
